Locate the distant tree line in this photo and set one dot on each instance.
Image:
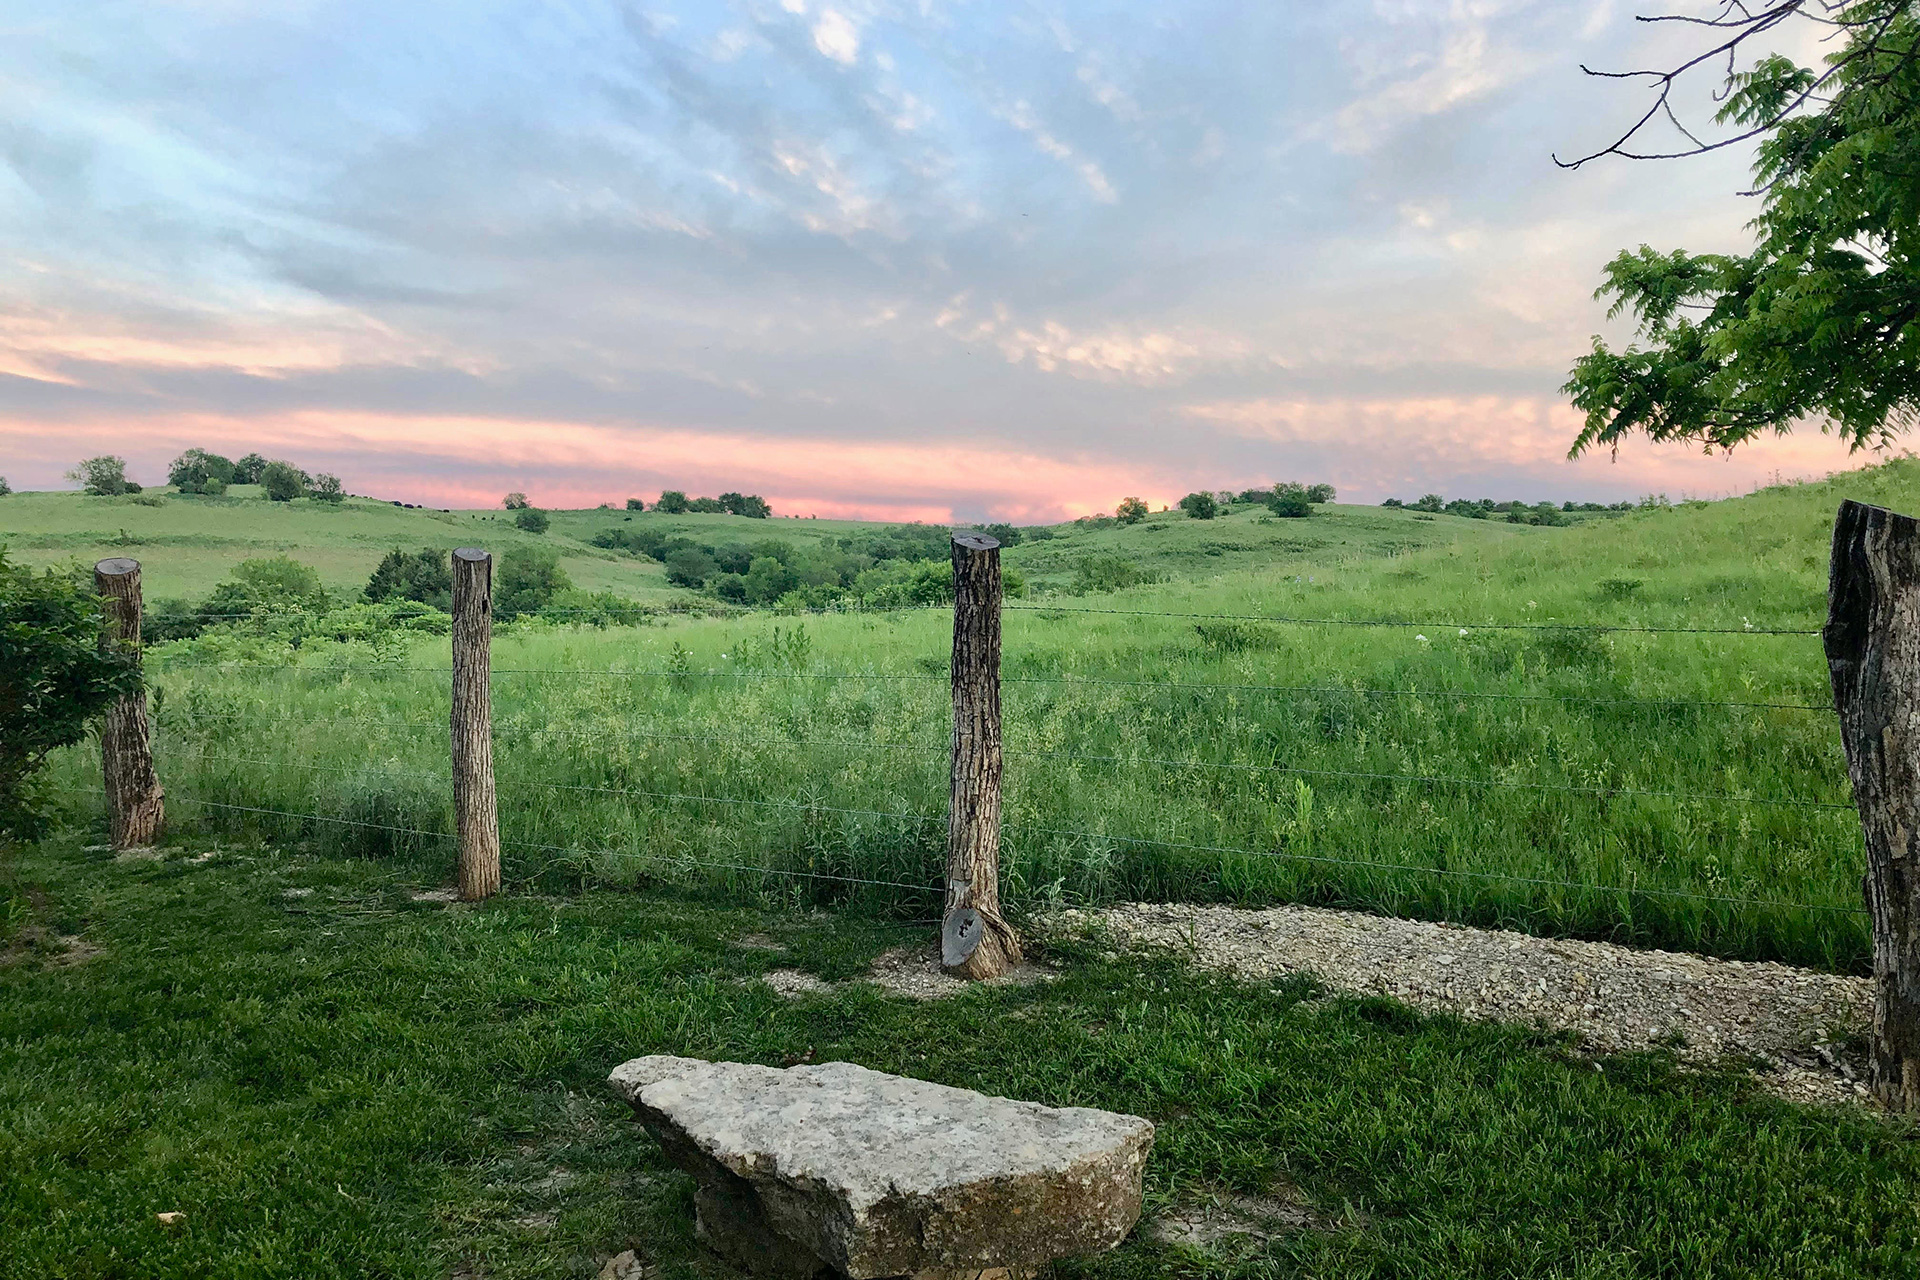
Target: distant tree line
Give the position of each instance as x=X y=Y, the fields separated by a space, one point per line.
x=203 y=473
x=1287 y=498
x=1516 y=512
x=674 y=502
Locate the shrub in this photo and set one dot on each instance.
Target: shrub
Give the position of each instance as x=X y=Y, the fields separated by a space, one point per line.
x=515 y=502
x=283 y=481
x=1320 y=493
x=1290 y=503
x=327 y=488
x=528 y=580
x=1429 y=502
x=750 y=505
x=1005 y=534
x=673 y=502
x=424 y=576
x=1108 y=573
x=1393 y=502
x=1200 y=506
x=690 y=566
x=636 y=504
x=249 y=469
x=706 y=506
x=267 y=584
x=5 y=488
x=53 y=679
x=768 y=579
x=104 y=476
x=531 y=520
x=1131 y=511
x=197 y=471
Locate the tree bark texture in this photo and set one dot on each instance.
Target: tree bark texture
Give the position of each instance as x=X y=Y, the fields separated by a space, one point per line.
x=476 y=819
x=1872 y=640
x=979 y=943
x=136 y=810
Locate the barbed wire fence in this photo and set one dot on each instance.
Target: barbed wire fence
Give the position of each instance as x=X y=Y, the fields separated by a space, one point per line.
x=620 y=748
x=197 y=727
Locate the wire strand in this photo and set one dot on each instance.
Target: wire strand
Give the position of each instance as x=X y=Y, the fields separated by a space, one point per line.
x=1437 y=626
x=1444 y=871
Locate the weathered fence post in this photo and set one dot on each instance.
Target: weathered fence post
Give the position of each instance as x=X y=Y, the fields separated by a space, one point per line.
x=1872 y=639
x=135 y=803
x=476 y=820
x=975 y=941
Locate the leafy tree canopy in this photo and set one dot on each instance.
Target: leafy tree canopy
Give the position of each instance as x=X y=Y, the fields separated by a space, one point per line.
x=531 y=520
x=283 y=481
x=515 y=502
x=198 y=471
x=1821 y=321
x=528 y=580
x=103 y=476
x=1200 y=506
x=249 y=469
x=424 y=576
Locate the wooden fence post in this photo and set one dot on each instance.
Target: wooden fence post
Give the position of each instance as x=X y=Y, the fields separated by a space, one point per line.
x=1872 y=640
x=975 y=942
x=476 y=819
x=135 y=803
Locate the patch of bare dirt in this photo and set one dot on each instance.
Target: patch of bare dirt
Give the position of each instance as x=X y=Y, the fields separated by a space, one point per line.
x=1212 y=1220
x=915 y=972
x=793 y=984
x=36 y=943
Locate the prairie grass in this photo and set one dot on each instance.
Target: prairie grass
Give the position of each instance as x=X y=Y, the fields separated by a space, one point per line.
x=1674 y=789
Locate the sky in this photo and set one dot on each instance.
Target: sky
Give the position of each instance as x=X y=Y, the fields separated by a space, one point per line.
x=920 y=260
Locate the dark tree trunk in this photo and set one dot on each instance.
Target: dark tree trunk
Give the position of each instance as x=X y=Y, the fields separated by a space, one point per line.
x=135 y=804
x=976 y=941
x=475 y=817
x=1872 y=639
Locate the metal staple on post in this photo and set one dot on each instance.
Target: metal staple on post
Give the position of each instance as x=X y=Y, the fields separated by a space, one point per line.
x=476 y=820
x=136 y=809
x=975 y=941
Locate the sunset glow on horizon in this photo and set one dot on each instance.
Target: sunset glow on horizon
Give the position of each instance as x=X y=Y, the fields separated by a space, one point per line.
x=871 y=261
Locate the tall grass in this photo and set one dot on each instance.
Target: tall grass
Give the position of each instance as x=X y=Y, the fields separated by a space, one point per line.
x=1662 y=789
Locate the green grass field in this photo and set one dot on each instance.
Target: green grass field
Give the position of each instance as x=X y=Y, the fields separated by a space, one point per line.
x=353 y=1084
x=187 y=544
x=348 y=1082
x=1672 y=789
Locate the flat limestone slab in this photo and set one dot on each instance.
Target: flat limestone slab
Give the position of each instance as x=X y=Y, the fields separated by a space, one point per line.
x=834 y=1168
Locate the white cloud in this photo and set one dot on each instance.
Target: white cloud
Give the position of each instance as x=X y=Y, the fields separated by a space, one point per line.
x=1021 y=117
x=837 y=37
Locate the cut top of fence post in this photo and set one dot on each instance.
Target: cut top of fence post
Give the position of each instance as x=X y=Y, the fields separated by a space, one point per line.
x=116 y=567
x=976 y=541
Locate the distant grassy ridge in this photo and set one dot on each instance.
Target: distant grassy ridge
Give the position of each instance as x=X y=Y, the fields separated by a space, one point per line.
x=1683 y=790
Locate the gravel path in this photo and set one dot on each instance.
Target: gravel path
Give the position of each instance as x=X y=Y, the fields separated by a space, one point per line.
x=1611 y=997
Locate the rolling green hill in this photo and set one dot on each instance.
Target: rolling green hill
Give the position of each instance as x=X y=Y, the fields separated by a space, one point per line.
x=186 y=543
x=1614 y=730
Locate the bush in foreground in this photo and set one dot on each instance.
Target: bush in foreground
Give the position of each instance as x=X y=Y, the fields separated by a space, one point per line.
x=54 y=678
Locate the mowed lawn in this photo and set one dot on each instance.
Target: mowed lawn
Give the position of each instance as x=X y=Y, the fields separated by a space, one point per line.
x=331 y=1079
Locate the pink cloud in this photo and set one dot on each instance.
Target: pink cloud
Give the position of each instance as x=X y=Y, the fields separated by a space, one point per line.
x=469 y=462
